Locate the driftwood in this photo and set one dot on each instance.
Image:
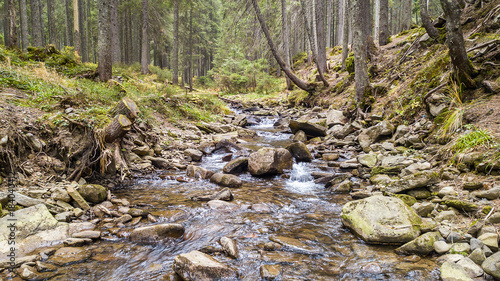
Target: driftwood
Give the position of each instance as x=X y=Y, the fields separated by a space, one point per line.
x=126 y=107
x=117 y=128
x=121 y=165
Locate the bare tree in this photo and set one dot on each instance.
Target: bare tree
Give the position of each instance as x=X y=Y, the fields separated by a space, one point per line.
x=360 y=51
x=175 y=48
x=299 y=82
x=383 y=37
x=145 y=38
x=105 y=61
x=455 y=40
x=286 y=38
x=426 y=21
x=24 y=24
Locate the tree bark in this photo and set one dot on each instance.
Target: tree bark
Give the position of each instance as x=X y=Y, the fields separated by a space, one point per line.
x=286 y=38
x=69 y=23
x=105 y=64
x=81 y=23
x=300 y=83
x=24 y=24
x=11 y=26
x=321 y=33
x=115 y=42
x=406 y=15
x=175 y=49
x=76 y=27
x=426 y=21
x=51 y=22
x=345 y=32
x=145 y=38
x=117 y=128
x=455 y=40
x=384 y=34
x=36 y=23
x=360 y=51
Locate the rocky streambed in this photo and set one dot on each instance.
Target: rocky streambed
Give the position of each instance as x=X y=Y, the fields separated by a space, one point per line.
x=299 y=195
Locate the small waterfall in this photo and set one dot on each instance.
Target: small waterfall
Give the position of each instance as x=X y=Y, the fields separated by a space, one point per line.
x=301 y=180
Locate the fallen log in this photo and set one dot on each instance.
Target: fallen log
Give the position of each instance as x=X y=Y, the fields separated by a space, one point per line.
x=117 y=128
x=126 y=107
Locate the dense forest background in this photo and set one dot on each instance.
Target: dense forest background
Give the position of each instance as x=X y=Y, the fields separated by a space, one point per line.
x=201 y=41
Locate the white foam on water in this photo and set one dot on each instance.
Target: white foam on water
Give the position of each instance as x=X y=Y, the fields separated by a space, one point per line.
x=301 y=181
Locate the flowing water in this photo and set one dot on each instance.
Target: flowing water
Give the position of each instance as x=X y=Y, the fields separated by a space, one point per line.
x=294 y=207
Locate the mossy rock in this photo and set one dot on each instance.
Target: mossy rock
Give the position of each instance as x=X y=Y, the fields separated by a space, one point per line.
x=487 y=209
x=394 y=170
x=461 y=205
x=409 y=200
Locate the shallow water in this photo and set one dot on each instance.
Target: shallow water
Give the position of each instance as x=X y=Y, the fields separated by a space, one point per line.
x=299 y=209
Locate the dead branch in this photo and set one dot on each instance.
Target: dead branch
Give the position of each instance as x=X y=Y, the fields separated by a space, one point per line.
x=483 y=45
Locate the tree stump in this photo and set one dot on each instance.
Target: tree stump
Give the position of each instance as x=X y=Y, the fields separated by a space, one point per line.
x=117 y=128
x=126 y=107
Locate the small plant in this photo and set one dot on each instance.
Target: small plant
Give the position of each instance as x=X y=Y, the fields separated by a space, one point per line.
x=475 y=138
x=453 y=117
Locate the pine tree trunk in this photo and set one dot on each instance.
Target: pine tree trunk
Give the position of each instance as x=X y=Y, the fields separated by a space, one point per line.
x=105 y=64
x=345 y=32
x=51 y=22
x=115 y=42
x=384 y=34
x=11 y=26
x=340 y=22
x=406 y=15
x=76 y=27
x=321 y=33
x=69 y=23
x=329 y=23
x=175 y=49
x=81 y=25
x=24 y=24
x=300 y=83
x=286 y=38
x=145 y=38
x=35 y=23
x=462 y=66
x=426 y=21
x=40 y=6
x=360 y=50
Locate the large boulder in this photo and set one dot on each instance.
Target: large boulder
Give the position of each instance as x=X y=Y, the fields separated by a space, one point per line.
x=370 y=135
x=492 y=265
x=28 y=221
x=422 y=245
x=226 y=180
x=380 y=219
x=300 y=152
x=236 y=166
x=198 y=172
x=309 y=128
x=197 y=266
x=335 y=117
x=451 y=271
x=94 y=193
x=195 y=154
x=156 y=232
x=269 y=161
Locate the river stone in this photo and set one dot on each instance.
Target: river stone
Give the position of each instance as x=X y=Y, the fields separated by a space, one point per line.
x=300 y=152
x=471 y=268
x=225 y=194
x=423 y=209
x=59 y=193
x=92 y=234
x=300 y=136
x=198 y=172
x=335 y=117
x=460 y=248
x=236 y=166
x=478 y=256
x=494 y=218
x=422 y=245
x=70 y=255
x=343 y=187
x=445 y=215
x=197 y=266
x=370 y=135
x=453 y=272
x=309 y=128
x=295 y=245
x=368 y=160
x=226 y=180
x=419 y=193
x=222 y=206
x=195 y=154
x=269 y=161
x=77 y=196
x=417 y=180
x=473 y=185
x=230 y=247
x=461 y=205
x=240 y=120
x=380 y=219
x=492 y=265
x=441 y=247
x=490 y=240
x=94 y=193
x=156 y=232
x=28 y=221
x=490 y=194
x=270 y=271
x=380 y=179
